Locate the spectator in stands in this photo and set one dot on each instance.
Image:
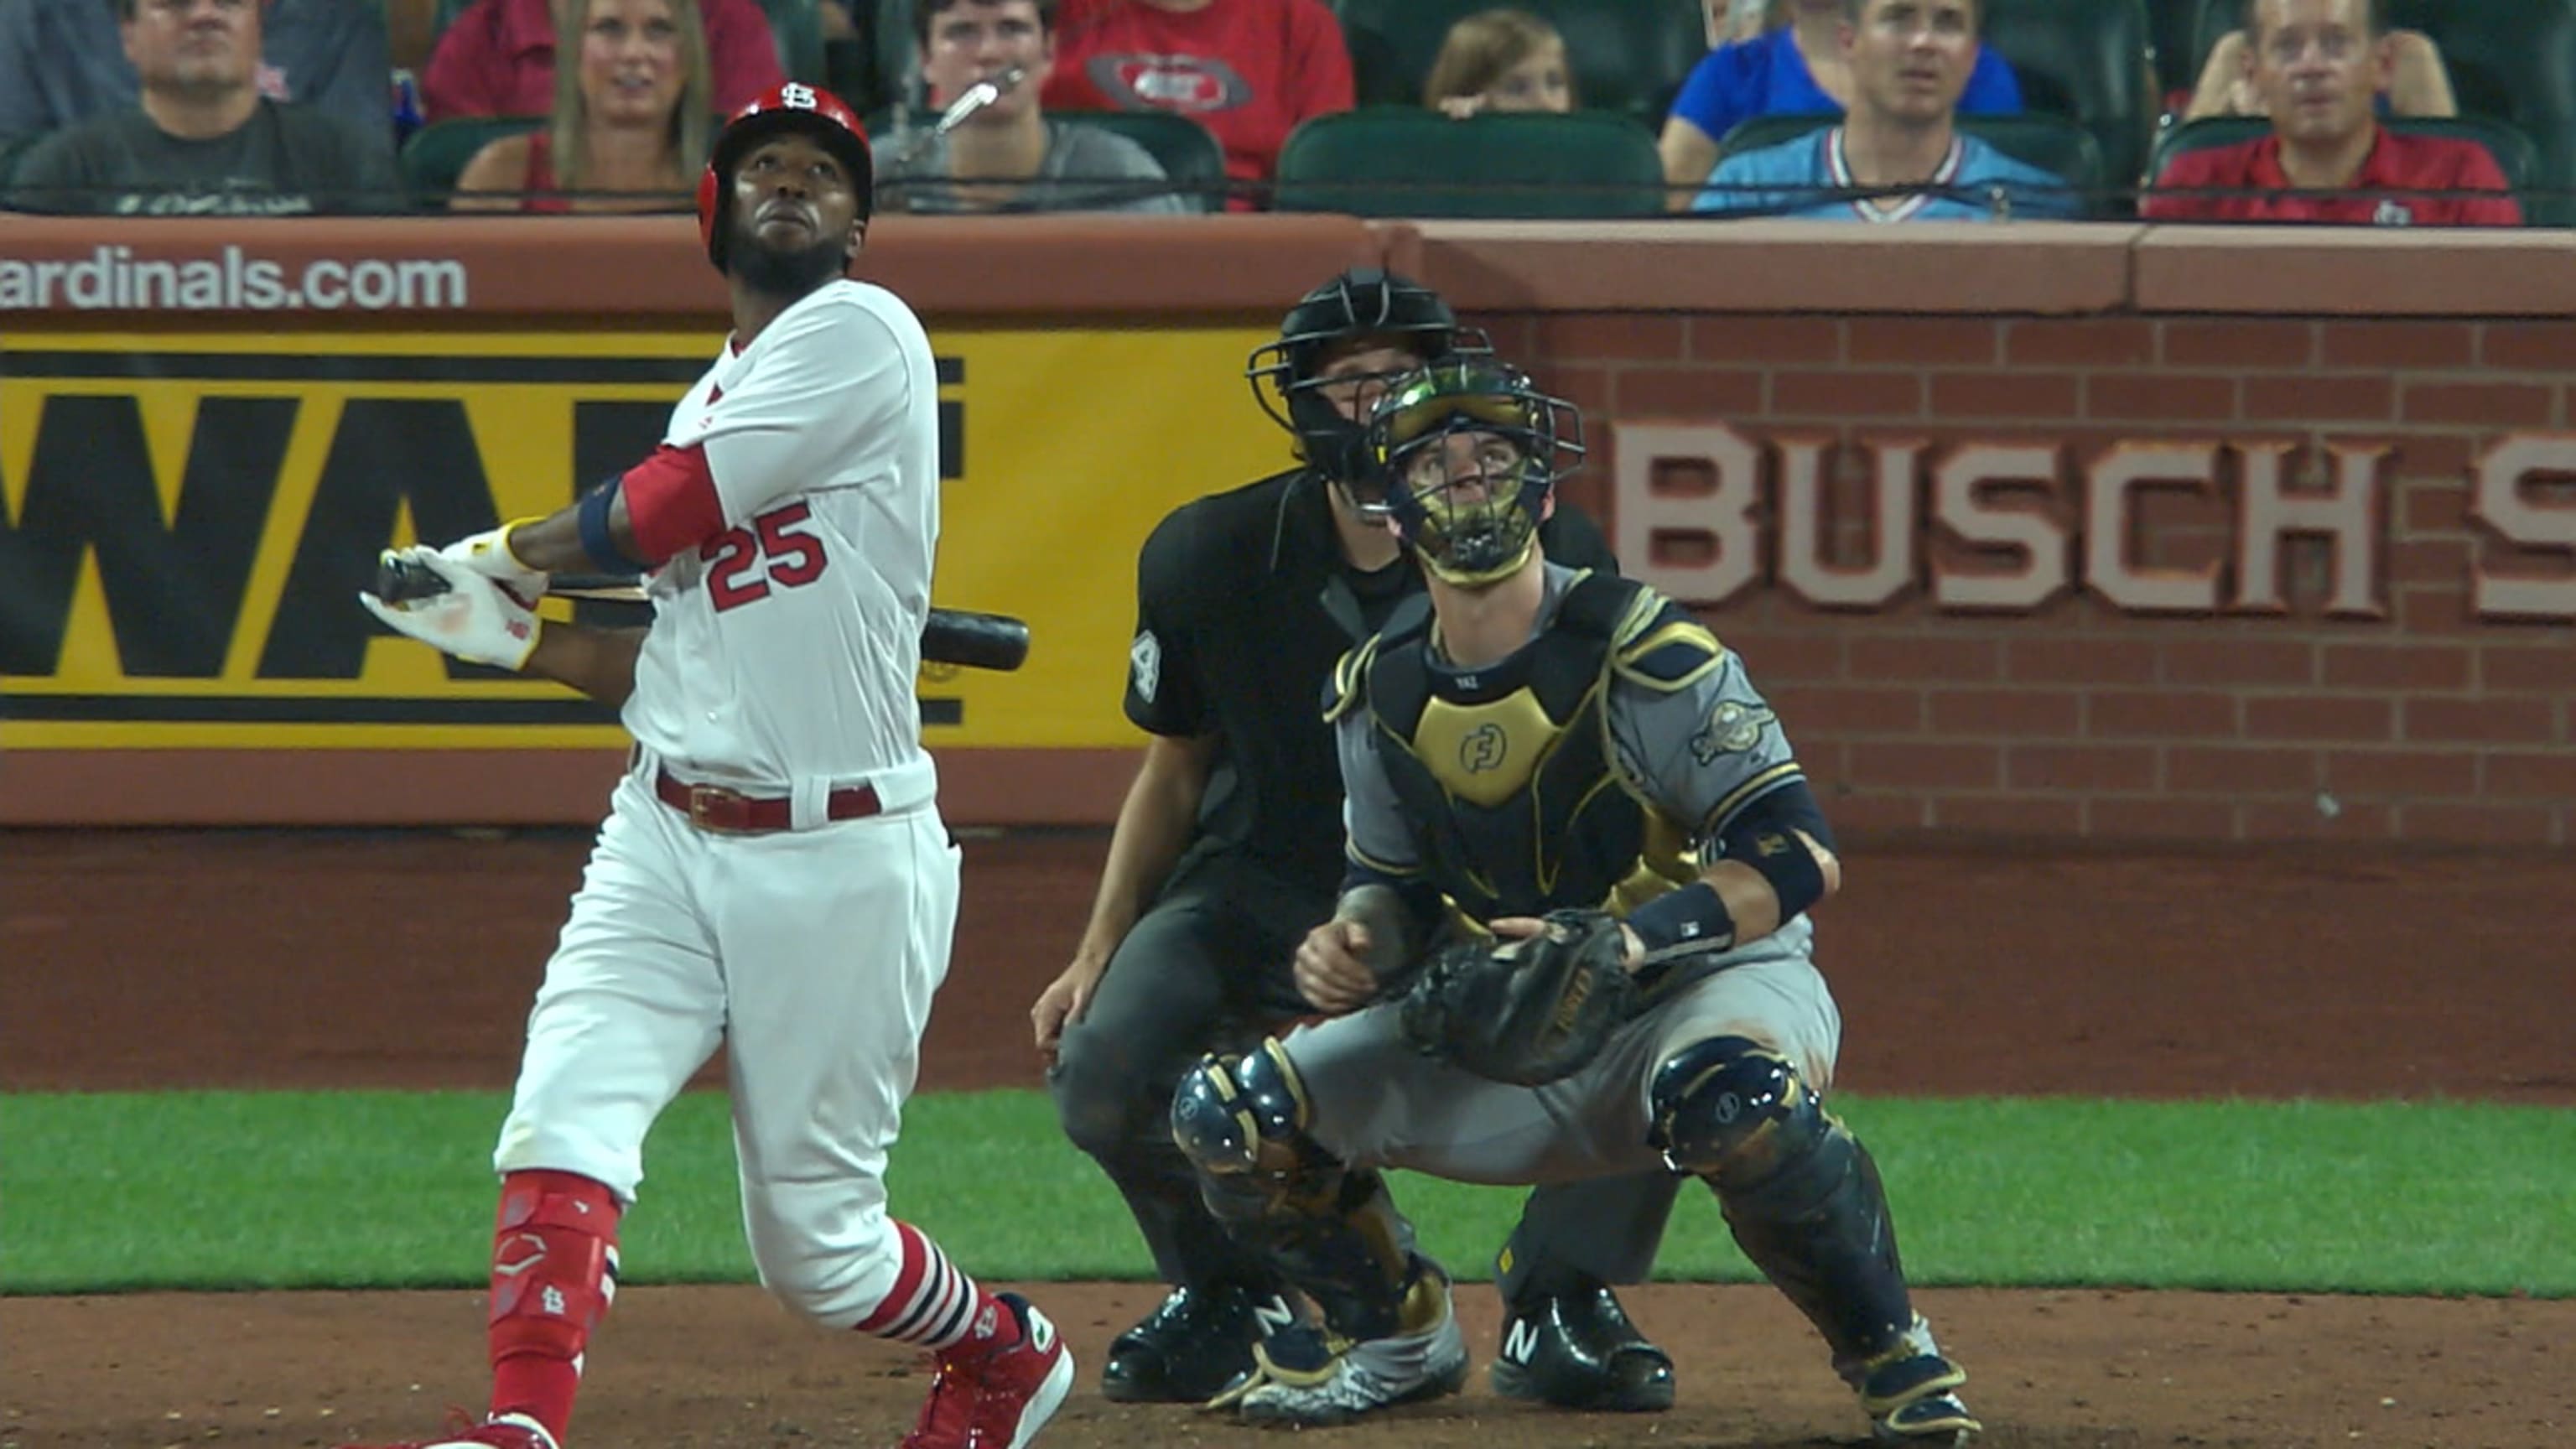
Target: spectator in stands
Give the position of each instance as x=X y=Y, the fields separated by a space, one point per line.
x=1732 y=20
x=2318 y=66
x=1009 y=156
x=1795 y=67
x=630 y=119
x=1248 y=70
x=62 y=62
x=1908 y=62
x=2418 y=83
x=498 y=59
x=1500 y=61
x=203 y=140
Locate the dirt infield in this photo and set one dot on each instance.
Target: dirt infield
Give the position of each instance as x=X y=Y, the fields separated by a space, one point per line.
x=319 y=960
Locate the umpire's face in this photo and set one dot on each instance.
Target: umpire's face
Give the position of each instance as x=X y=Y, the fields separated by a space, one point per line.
x=1354 y=375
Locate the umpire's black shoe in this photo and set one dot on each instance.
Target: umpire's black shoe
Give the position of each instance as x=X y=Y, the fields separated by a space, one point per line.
x=1186 y=1352
x=1578 y=1350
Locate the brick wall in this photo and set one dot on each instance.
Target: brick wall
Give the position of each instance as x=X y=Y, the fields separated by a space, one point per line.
x=2413 y=717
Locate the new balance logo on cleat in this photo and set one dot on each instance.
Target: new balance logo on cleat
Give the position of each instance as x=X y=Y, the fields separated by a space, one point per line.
x=1273 y=1314
x=1578 y=1350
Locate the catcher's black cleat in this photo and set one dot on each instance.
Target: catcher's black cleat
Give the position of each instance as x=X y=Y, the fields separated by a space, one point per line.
x=1578 y=1350
x=1187 y=1351
x=1911 y=1396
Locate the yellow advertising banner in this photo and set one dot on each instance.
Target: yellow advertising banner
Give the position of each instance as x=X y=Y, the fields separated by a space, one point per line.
x=188 y=519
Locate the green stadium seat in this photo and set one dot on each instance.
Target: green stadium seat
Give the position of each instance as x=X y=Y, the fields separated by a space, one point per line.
x=1404 y=161
x=2514 y=153
x=1187 y=151
x=1629 y=56
x=2055 y=144
x=2090 y=60
x=2509 y=60
x=11 y=148
x=437 y=153
x=795 y=26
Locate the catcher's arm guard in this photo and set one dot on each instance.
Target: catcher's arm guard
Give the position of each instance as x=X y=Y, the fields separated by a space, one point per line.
x=1527 y=1012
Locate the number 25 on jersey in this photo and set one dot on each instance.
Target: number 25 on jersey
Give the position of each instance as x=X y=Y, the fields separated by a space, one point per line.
x=743 y=562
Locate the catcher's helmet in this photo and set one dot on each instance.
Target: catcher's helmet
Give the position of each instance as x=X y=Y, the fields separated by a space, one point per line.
x=1365 y=302
x=791 y=107
x=1473 y=527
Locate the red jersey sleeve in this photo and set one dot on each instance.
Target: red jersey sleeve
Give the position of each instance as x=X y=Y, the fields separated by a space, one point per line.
x=671 y=502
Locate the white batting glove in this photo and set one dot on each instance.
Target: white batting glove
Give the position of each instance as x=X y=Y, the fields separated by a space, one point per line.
x=488 y=553
x=475 y=620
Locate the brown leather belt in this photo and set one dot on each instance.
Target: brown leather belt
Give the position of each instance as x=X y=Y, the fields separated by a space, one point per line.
x=731 y=812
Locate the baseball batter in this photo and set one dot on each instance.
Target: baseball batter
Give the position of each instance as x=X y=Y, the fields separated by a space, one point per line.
x=773 y=873
x=1530 y=738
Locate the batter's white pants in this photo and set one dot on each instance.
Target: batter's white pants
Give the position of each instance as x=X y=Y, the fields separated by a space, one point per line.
x=813 y=956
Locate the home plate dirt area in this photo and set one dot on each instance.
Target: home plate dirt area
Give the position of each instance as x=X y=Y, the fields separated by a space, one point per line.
x=317 y=959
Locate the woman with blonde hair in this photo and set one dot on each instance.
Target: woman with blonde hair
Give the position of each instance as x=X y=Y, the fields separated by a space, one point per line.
x=631 y=117
x=1499 y=61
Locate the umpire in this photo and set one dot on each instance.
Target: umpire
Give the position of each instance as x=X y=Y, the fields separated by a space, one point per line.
x=1229 y=849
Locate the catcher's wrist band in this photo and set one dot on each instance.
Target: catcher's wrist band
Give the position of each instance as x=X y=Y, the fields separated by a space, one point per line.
x=1694 y=916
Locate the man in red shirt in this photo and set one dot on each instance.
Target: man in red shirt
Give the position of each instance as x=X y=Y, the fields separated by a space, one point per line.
x=1248 y=70
x=2317 y=64
x=498 y=59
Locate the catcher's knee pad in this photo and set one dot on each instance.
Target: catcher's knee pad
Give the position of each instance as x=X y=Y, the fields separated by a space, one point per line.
x=1243 y=1119
x=554 y=1263
x=1732 y=1110
x=1800 y=1193
x=1332 y=1232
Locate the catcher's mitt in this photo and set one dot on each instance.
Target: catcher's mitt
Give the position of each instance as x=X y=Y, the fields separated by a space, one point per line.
x=1527 y=1012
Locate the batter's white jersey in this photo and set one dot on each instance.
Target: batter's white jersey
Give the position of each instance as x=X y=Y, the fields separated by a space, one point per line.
x=783 y=652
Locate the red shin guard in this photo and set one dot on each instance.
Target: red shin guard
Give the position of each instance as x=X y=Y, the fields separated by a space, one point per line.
x=554 y=1272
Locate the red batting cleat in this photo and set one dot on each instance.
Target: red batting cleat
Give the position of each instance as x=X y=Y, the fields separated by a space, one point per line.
x=997 y=1399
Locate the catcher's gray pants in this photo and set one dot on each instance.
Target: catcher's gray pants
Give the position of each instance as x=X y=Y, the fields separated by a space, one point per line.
x=1376 y=1102
x=1209 y=959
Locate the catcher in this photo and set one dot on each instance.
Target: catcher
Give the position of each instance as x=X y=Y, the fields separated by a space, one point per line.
x=1572 y=943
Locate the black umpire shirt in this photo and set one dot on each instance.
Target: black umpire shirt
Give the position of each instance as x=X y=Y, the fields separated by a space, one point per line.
x=1244 y=604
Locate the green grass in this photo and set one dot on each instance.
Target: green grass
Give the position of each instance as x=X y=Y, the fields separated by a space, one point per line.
x=241 y=1190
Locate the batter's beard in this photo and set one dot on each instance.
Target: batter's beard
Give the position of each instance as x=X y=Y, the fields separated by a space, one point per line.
x=790 y=274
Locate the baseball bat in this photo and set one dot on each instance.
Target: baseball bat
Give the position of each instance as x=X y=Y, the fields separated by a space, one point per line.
x=963 y=637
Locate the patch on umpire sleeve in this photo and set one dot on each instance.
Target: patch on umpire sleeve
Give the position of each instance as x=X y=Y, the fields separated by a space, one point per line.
x=1145 y=664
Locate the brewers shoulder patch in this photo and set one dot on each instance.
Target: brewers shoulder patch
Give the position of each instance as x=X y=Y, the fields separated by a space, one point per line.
x=1733 y=728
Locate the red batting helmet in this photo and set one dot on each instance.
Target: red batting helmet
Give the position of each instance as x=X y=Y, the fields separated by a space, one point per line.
x=791 y=107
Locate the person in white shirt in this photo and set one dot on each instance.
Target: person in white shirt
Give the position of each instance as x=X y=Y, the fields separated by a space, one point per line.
x=774 y=872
